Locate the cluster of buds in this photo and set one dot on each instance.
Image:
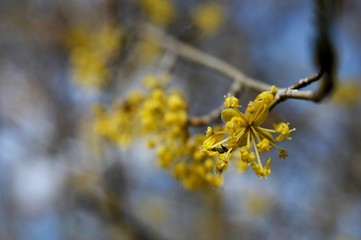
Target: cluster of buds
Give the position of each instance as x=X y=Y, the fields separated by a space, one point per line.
x=160 y=116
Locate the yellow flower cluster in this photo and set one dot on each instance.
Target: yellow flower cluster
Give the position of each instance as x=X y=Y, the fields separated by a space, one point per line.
x=117 y=125
x=244 y=132
x=161 y=12
x=91 y=50
x=194 y=169
x=163 y=119
x=160 y=116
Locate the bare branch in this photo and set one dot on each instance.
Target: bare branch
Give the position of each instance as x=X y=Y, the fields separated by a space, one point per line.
x=240 y=79
x=292 y=92
x=200 y=57
x=308 y=80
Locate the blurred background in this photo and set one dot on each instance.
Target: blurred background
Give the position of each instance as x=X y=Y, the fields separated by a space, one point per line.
x=58 y=181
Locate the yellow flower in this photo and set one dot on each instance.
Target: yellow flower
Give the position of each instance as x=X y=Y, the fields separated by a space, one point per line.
x=257 y=111
x=176 y=102
x=262 y=171
x=179 y=170
x=196 y=172
x=245 y=133
x=247 y=155
x=165 y=156
x=220 y=166
x=118 y=124
x=209 y=132
x=264 y=145
x=207 y=145
x=284 y=131
x=231 y=101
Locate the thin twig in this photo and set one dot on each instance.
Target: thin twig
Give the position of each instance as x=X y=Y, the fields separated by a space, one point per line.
x=293 y=92
x=308 y=80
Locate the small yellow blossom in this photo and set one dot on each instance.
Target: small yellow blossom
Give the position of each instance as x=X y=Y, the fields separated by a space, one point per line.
x=247 y=155
x=231 y=101
x=209 y=163
x=207 y=146
x=197 y=172
x=262 y=171
x=264 y=145
x=284 y=131
x=220 y=166
x=245 y=133
x=179 y=170
x=165 y=156
x=117 y=124
x=175 y=101
x=89 y=60
x=209 y=131
x=216 y=181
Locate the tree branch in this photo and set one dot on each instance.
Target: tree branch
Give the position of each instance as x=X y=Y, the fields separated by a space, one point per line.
x=240 y=80
x=191 y=53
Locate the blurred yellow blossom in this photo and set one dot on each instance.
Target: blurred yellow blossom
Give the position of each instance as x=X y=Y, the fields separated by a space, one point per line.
x=146 y=51
x=91 y=50
x=347 y=93
x=160 y=115
x=161 y=12
x=258 y=203
x=196 y=172
x=208 y=17
x=118 y=124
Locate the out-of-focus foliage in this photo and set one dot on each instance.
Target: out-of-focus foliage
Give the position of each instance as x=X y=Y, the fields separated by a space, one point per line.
x=91 y=49
x=160 y=12
x=347 y=93
x=208 y=17
x=160 y=116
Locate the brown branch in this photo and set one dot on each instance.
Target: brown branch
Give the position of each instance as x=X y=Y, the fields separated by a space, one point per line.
x=293 y=92
x=191 y=53
x=308 y=80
